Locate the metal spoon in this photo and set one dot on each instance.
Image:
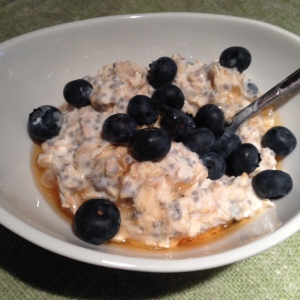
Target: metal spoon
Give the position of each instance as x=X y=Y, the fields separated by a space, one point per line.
x=283 y=87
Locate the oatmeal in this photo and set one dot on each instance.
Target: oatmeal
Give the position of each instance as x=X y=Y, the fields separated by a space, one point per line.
x=163 y=201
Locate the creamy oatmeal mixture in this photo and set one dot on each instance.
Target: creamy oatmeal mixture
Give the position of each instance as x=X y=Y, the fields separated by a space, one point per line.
x=160 y=202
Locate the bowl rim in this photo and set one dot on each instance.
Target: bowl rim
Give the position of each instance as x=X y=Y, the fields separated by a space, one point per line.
x=150 y=15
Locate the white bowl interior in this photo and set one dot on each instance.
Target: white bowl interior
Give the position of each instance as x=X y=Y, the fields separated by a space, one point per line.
x=36 y=66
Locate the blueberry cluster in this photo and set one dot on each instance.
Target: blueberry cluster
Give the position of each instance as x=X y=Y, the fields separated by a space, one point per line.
x=203 y=133
x=221 y=152
x=151 y=143
x=46 y=121
x=274 y=184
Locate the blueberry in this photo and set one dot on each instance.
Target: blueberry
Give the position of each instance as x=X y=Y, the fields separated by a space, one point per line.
x=215 y=165
x=77 y=92
x=44 y=123
x=251 y=90
x=280 y=139
x=226 y=143
x=150 y=144
x=245 y=158
x=199 y=140
x=142 y=110
x=211 y=117
x=230 y=171
x=162 y=71
x=235 y=57
x=272 y=184
x=97 y=221
x=168 y=96
x=118 y=128
x=176 y=123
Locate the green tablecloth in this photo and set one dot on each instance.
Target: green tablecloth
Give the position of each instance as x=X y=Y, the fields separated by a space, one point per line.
x=30 y=272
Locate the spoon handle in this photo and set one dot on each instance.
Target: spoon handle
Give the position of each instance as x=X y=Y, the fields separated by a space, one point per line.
x=285 y=86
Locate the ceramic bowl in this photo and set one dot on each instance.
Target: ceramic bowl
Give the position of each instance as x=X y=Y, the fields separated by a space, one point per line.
x=36 y=66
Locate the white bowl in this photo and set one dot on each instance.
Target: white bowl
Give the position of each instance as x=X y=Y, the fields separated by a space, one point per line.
x=36 y=66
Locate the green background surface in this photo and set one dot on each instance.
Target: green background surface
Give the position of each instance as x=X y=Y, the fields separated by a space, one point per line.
x=30 y=272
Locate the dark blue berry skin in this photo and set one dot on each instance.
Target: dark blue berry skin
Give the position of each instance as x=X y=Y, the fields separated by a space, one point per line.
x=150 y=144
x=211 y=117
x=272 y=184
x=245 y=159
x=118 y=129
x=176 y=123
x=96 y=221
x=168 y=96
x=44 y=123
x=142 y=110
x=199 y=140
x=251 y=90
x=226 y=143
x=280 y=139
x=236 y=57
x=77 y=92
x=162 y=71
x=230 y=171
x=215 y=165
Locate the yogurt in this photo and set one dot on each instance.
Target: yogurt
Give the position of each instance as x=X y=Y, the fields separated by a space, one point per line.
x=160 y=202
